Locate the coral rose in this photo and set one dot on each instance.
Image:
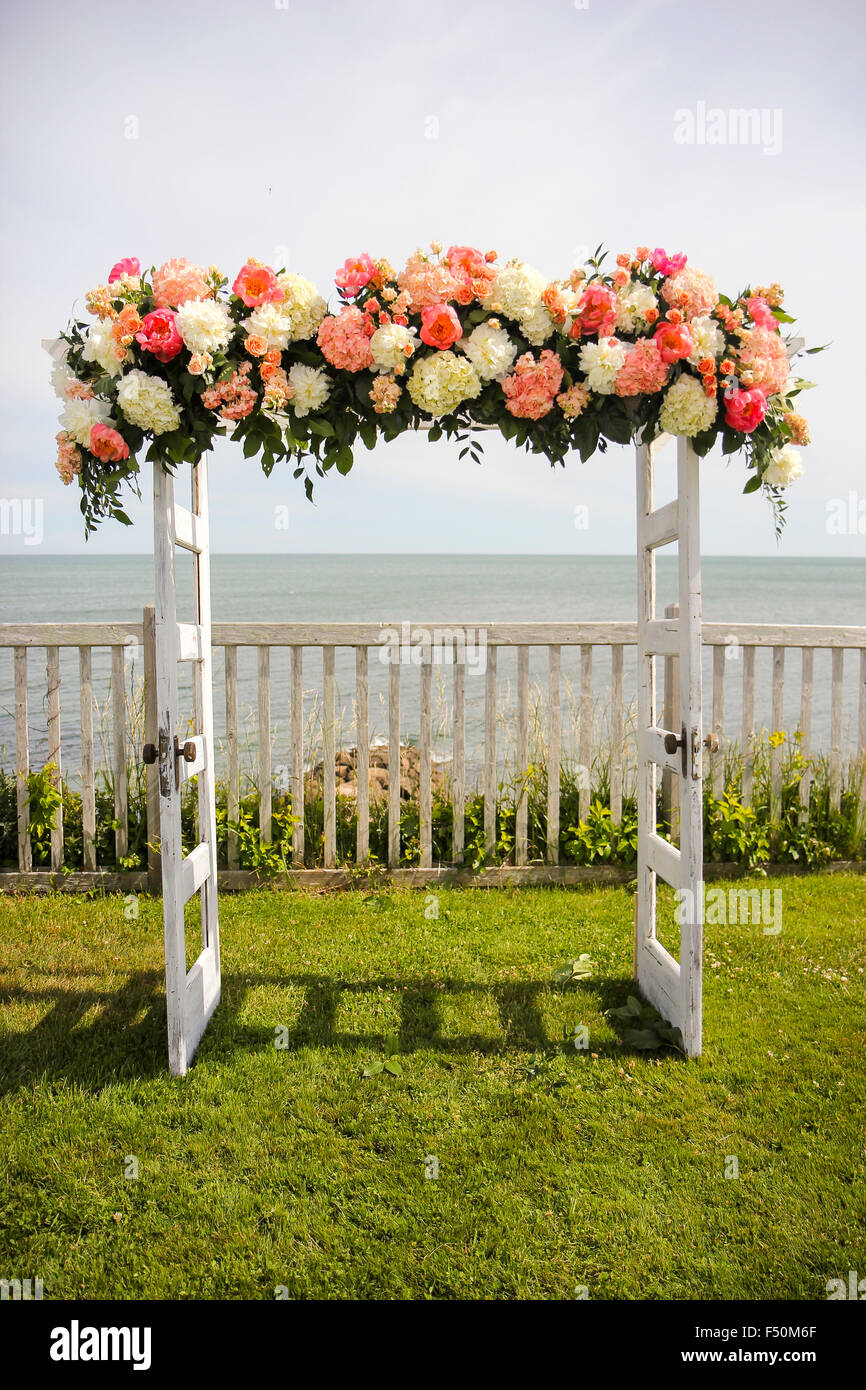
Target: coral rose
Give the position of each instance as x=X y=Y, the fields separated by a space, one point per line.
x=106 y=444
x=674 y=341
x=744 y=410
x=159 y=335
x=440 y=326
x=257 y=284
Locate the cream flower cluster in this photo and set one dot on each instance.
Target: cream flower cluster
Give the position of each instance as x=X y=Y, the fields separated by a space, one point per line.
x=491 y=351
x=601 y=361
x=302 y=305
x=270 y=322
x=79 y=417
x=686 y=409
x=708 y=338
x=204 y=325
x=517 y=291
x=392 y=345
x=439 y=384
x=100 y=348
x=311 y=388
x=633 y=302
x=147 y=402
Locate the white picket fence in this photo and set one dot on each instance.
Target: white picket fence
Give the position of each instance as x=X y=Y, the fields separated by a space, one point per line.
x=761 y=652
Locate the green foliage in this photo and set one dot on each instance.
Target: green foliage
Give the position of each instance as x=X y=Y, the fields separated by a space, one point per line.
x=646 y=1030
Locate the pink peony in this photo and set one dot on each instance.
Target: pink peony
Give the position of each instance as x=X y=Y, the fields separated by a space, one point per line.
x=345 y=339
x=665 y=264
x=354 y=274
x=257 y=284
x=131 y=265
x=643 y=371
x=531 y=389
x=674 y=341
x=692 y=291
x=159 y=334
x=762 y=353
x=596 y=312
x=106 y=444
x=744 y=410
x=440 y=326
x=177 y=281
x=760 y=313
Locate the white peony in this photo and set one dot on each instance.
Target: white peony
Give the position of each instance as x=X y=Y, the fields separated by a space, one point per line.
x=686 y=409
x=99 y=347
x=204 y=325
x=311 y=387
x=271 y=322
x=784 y=467
x=61 y=379
x=302 y=305
x=388 y=346
x=708 y=338
x=538 y=326
x=516 y=291
x=79 y=417
x=633 y=301
x=491 y=352
x=147 y=401
x=601 y=361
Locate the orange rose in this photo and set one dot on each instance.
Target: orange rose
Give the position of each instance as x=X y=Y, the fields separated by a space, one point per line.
x=255 y=346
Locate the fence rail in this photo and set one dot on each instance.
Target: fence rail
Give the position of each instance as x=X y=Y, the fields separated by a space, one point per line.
x=426 y=645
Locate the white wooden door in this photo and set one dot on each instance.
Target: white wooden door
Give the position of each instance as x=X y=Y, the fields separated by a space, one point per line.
x=673 y=986
x=191 y=996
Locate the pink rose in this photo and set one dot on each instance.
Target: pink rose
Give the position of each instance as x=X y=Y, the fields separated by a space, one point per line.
x=744 y=410
x=440 y=326
x=674 y=341
x=357 y=272
x=257 y=284
x=131 y=265
x=159 y=334
x=665 y=264
x=760 y=313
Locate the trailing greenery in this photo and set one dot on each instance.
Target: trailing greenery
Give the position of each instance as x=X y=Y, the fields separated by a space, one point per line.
x=750 y=836
x=559 y=1166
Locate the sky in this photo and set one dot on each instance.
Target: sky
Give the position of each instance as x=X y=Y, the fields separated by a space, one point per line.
x=307 y=131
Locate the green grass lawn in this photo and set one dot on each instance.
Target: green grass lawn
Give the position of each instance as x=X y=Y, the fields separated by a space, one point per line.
x=275 y=1166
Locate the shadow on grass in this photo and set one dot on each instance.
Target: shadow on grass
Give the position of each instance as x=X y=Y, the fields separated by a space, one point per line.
x=92 y=1038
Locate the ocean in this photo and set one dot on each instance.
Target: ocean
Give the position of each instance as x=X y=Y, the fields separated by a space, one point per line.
x=440 y=589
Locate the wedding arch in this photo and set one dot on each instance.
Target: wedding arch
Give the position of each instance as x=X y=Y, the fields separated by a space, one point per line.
x=455 y=343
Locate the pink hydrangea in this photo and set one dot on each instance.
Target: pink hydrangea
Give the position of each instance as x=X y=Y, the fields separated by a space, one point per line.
x=643 y=371
x=345 y=340
x=573 y=402
x=692 y=291
x=531 y=389
x=427 y=283
x=762 y=354
x=235 y=398
x=177 y=281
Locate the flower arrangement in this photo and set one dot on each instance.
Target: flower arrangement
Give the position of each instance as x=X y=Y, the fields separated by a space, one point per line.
x=455 y=341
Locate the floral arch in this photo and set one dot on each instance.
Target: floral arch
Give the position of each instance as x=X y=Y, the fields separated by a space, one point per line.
x=454 y=341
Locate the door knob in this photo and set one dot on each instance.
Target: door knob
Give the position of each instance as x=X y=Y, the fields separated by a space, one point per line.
x=672 y=743
x=149 y=753
x=711 y=743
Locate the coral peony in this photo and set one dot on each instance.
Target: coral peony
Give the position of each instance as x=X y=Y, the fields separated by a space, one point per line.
x=440 y=326
x=596 y=312
x=130 y=265
x=744 y=410
x=257 y=284
x=354 y=274
x=106 y=444
x=674 y=341
x=159 y=334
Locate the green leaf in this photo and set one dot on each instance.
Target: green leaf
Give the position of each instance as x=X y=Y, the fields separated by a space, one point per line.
x=753 y=484
x=322 y=427
x=344 y=460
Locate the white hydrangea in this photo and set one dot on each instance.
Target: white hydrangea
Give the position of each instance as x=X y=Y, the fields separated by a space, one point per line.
x=538 y=326
x=388 y=346
x=100 y=348
x=147 y=401
x=79 y=417
x=205 y=325
x=516 y=291
x=440 y=382
x=311 y=387
x=601 y=361
x=302 y=305
x=708 y=338
x=784 y=467
x=686 y=409
x=491 y=351
x=633 y=301
x=271 y=322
